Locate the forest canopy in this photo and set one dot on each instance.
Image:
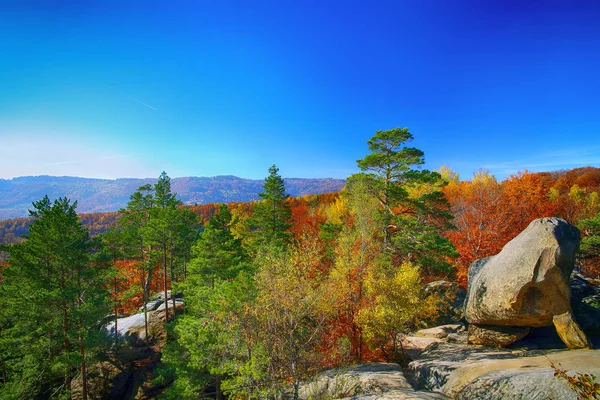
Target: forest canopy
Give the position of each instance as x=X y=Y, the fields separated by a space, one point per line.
x=273 y=290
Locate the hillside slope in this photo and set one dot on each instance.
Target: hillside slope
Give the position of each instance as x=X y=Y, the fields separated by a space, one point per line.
x=103 y=195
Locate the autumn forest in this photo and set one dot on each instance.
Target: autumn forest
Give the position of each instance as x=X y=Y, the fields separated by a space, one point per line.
x=271 y=291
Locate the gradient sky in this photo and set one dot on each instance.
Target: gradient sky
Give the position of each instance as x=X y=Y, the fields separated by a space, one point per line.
x=203 y=88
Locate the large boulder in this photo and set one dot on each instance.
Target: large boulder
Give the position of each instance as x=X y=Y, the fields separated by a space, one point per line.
x=526 y=285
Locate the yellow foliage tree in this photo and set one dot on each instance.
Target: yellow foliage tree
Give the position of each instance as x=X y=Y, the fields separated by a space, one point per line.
x=397 y=302
x=292 y=308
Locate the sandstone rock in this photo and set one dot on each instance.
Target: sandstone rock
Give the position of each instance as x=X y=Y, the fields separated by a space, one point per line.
x=475 y=372
x=178 y=305
x=364 y=381
x=495 y=335
x=152 y=305
x=401 y=394
x=355 y=380
x=413 y=346
x=585 y=292
x=450 y=298
x=527 y=283
x=133 y=328
x=105 y=380
x=439 y=332
x=569 y=332
x=161 y=295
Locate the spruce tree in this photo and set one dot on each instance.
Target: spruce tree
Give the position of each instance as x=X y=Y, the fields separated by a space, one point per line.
x=273 y=214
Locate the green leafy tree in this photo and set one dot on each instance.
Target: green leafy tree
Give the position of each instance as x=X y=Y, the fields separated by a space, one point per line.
x=52 y=298
x=590 y=242
x=273 y=214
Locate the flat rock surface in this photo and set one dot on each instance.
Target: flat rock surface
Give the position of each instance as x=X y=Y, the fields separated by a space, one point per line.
x=438 y=332
x=414 y=345
x=364 y=381
x=126 y=325
x=401 y=394
x=472 y=372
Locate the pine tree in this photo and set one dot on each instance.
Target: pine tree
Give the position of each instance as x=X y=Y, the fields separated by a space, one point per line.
x=217 y=254
x=135 y=218
x=414 y=212
x=53 y=296
x=273 y=214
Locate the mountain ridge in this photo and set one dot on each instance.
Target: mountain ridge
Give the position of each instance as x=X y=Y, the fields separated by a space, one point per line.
x=105 y=195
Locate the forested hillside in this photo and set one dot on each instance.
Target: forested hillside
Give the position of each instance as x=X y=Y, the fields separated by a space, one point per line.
x=104 y=195
x=274 y=290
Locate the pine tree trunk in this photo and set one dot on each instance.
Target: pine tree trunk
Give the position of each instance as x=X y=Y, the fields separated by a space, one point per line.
x=116 y=315
x=66 y=346
x=146 y=290
x=84 y=382
x=145 y=300
x=165 y=283
x=172 y=280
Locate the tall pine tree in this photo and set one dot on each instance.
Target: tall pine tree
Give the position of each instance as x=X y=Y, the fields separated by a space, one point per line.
x=52 y=297
x=273 y=214
x=414 y=212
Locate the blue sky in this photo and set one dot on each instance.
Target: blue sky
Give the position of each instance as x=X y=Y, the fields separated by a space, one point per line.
x=102 y=89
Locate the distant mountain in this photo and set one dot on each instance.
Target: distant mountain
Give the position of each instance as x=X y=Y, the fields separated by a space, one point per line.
x=102 y=195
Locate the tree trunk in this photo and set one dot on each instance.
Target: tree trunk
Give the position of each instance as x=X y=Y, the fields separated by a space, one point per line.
x=66 y=346
x=218 y=392
x=165 y=283
x=172 y=280
x=84 y=382
x=296 y=386
x=145 y=300
x=116 y=314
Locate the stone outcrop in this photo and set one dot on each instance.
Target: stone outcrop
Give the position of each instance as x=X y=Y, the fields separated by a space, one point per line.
x=525 y=285
x=127 y=372
x=476 y=372
x=133 y=328
x=420 y=341
x=439 y=332
x=585 y=298
x=364 y=381
x=500 y=336
x=450 y=299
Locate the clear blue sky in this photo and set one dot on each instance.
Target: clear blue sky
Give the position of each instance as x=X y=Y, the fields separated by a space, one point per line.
x=104 y=89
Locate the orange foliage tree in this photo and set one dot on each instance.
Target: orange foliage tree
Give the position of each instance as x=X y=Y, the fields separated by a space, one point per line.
x=478 y=218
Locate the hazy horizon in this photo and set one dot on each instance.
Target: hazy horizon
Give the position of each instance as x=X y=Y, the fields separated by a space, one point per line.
x=109 y=89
